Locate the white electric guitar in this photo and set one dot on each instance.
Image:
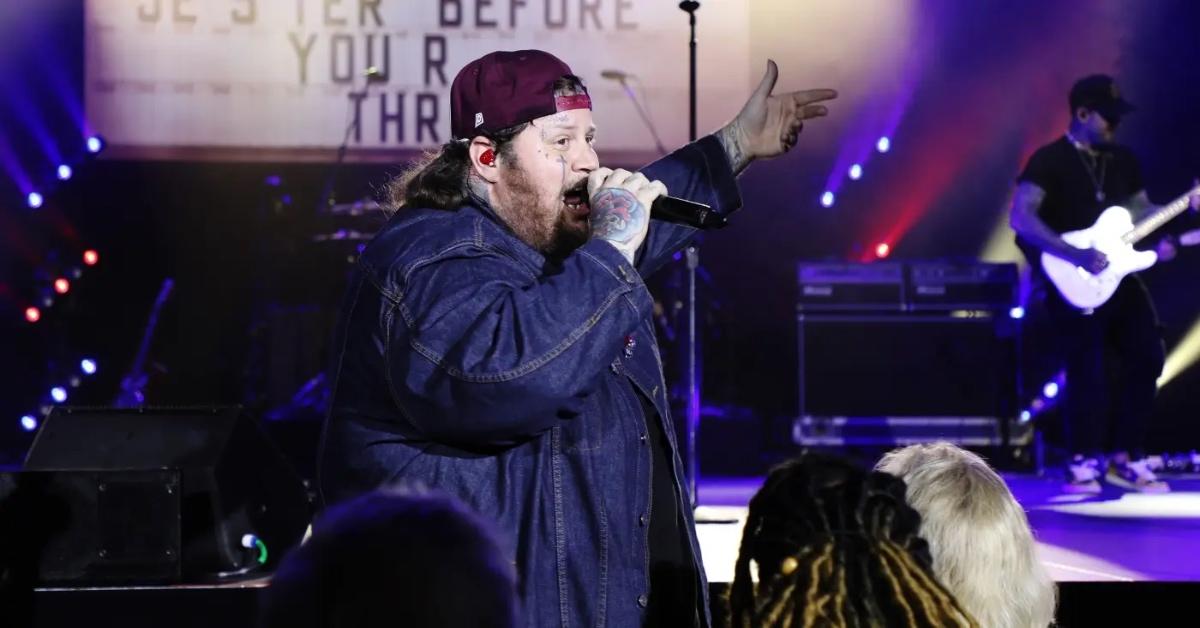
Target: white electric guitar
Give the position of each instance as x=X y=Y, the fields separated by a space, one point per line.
x=1114 y=235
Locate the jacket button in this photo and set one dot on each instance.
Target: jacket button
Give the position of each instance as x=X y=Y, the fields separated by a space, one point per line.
x=643 y=601
x=642 y=520
x=642 y=438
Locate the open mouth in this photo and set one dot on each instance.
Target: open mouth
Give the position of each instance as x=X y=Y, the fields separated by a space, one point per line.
x=576 y=200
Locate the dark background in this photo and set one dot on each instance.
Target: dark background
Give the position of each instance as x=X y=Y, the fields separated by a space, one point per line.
x=255 y=298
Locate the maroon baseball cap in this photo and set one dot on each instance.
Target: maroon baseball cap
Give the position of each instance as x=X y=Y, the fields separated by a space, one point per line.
x=505 y=88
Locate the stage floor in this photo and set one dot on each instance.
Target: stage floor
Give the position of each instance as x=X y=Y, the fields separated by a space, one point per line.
x=1114 y=537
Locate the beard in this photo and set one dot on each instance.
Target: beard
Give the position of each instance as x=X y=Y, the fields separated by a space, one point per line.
x=543 y=223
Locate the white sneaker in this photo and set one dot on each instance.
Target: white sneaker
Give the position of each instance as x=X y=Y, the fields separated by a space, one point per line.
x=1083 y=476
x=1135 y=475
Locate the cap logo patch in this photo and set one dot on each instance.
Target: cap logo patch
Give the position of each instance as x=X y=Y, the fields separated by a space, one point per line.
x=478 y=119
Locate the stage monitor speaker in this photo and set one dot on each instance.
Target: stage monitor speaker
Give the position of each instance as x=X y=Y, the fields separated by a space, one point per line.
x=932 y=375
x=240 y=504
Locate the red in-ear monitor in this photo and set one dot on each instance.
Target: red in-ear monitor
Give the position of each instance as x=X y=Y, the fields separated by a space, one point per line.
x=487 y=158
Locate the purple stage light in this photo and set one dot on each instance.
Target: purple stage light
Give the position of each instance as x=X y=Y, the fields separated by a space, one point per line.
x=827 y=199
x=1025 y=416
x=1050 y=390
x=1016 y=313
x=884 y=144
x=29 y=423
x=855 y=172
x=58 y=394
x=64 y=172
x=34 y=200
x=88 y=366
x=95 y=144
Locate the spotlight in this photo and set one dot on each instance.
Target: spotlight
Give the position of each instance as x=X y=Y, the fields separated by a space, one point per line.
x=62 y=286
x=32 y=314
x=882 y=250
x=1016 y=313
x=75 y=381
x=29 y=423
x=95 y=144
x=91 y=257
x=1050 y=390
x=58 y=394
x=827 y=199
x=88 y=366
x=855 y=172
x=64 y=172
x=884 y=144
x=34 y=200
x=1025 y=416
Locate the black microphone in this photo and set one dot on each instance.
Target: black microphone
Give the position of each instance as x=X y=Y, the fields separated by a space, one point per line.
x=684 y=212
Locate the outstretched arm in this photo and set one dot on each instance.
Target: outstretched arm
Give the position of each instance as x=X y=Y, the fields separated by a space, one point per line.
x=769 y=124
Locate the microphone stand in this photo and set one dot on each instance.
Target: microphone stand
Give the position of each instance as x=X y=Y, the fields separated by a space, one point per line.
x=370 y=76
x=692 y=253
x=662 y=150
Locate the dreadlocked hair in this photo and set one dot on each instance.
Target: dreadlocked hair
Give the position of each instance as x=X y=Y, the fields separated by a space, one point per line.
x=438 y=180
x=836 y=546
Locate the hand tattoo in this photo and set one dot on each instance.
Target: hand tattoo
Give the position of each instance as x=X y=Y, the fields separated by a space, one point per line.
x=618 y=216
x=730 y=138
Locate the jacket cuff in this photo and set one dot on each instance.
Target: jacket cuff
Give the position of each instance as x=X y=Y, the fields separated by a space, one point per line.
x=726 y=197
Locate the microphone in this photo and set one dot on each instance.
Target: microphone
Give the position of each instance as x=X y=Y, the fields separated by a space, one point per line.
x=615 y=75
x=684 y=212
x=373 y=75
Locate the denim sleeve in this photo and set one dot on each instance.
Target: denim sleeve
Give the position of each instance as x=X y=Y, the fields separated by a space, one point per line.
x=698 y=172
x=484 y=353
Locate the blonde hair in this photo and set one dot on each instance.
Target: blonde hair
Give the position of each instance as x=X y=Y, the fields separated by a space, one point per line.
x=983 y=550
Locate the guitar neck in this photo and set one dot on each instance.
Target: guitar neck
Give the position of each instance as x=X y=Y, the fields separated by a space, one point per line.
x=1159 y=217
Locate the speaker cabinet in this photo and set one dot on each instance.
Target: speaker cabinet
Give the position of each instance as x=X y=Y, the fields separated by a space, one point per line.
x=935 y=375
x=205 y=484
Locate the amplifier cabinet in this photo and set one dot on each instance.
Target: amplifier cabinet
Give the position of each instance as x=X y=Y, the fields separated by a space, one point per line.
x=906 y=377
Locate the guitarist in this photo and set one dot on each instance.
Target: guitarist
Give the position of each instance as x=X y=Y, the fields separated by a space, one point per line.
x=1114 y=353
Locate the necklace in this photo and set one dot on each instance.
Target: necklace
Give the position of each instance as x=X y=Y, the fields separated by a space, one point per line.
x=1091 y=168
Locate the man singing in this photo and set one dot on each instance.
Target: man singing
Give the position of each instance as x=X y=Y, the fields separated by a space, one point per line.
x=496 y=340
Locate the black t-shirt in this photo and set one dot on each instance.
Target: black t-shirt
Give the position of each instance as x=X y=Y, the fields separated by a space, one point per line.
x=672 y=574
x=1071 y=177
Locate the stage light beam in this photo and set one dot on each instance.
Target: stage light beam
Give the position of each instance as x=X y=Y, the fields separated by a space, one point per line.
x=827 y=199
x=32 y=314
x=58 y=394
x=855 y=172
x=91 y=257
x=95 y=144
x=1182 y=355
x=29 y=423
x=884 y=144
x=34 y=200
x=64 y=172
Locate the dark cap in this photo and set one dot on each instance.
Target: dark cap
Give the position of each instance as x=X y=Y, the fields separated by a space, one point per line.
x=504 y=89
x=1099 y=93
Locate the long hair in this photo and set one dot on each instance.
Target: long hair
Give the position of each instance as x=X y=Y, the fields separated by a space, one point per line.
x=836 y=546
x=438 y=180
x=978 y=535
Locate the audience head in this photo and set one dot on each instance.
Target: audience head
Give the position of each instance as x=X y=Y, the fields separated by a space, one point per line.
x=982 y=548
x=395 y=557
x=835 y=545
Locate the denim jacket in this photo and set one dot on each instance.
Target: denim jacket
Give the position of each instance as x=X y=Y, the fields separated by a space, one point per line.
x=467 y=362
